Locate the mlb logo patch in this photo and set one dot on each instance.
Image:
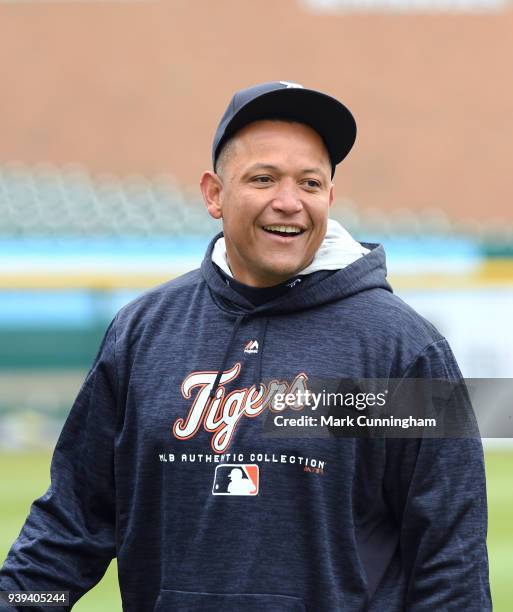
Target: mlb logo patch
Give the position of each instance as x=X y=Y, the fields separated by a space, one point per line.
x=236 y=479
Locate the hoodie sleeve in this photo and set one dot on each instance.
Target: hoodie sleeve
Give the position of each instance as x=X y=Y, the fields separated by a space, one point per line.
x=437 y=490
x=68 y=538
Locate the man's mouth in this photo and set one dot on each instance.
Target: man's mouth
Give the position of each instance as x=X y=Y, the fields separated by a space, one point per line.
x=283 y=230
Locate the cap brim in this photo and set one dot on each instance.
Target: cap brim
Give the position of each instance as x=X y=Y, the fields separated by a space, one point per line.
x=326 y=115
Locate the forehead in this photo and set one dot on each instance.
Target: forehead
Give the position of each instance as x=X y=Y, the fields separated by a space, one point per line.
x=275 y=138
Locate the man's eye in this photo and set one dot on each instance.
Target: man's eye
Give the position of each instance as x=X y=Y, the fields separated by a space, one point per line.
x=262 y=179
x=312 y=183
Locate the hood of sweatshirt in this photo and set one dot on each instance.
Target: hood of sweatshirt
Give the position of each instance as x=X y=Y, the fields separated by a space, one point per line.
x=354 y=267
x=349 y=266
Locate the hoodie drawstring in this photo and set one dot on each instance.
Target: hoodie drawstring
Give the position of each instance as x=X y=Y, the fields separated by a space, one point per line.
x=261 y=341
x=235 y=329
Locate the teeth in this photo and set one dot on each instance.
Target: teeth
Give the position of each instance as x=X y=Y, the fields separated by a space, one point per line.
x=283 y=228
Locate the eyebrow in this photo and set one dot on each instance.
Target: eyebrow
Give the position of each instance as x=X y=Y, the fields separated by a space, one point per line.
x=261 y=166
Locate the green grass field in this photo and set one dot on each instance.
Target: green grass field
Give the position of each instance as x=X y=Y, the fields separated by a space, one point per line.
x=23 y=477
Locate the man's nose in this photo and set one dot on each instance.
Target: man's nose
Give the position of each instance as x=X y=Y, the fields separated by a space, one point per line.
x=287 y=198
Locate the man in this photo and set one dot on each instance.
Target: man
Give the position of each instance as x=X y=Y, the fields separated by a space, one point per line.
x=184 y=388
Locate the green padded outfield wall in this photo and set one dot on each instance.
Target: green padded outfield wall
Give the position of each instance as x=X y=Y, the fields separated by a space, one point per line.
x=50 y=348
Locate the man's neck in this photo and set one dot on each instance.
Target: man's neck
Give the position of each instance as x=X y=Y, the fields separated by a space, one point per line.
x=259 y=295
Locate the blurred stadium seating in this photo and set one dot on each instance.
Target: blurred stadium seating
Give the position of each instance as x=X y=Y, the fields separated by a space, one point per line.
x=48 y=201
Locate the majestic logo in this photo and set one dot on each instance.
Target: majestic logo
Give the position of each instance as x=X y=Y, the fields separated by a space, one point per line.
x=222 y=413
x=236 y=479
x=251 y=347
x=290 y=84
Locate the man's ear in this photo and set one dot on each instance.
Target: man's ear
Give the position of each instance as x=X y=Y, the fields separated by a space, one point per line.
x=332 y=194
x=211 y=187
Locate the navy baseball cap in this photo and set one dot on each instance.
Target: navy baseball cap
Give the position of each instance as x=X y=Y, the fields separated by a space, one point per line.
x=285 y=99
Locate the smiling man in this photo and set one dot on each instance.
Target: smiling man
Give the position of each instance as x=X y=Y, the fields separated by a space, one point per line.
x=273 y=192
x=167 y=460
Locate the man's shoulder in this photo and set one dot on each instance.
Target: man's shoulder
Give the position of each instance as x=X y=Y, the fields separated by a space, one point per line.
x=385 y=312
x=391 y=329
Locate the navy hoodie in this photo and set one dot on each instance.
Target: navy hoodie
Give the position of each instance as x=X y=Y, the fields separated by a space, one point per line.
x=163 y=462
